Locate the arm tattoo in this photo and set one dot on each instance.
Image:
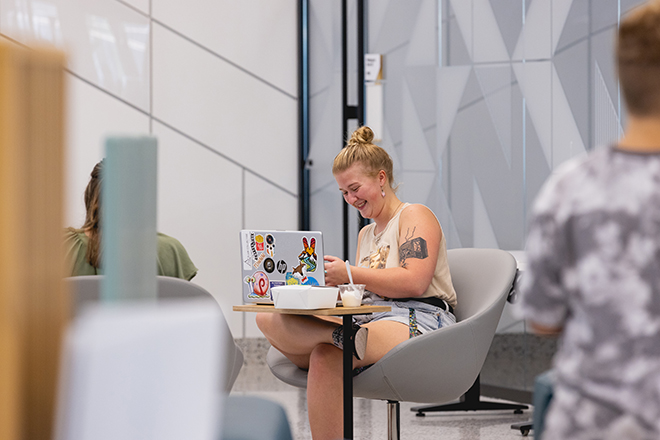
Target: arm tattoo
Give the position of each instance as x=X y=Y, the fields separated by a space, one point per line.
x=412 y=248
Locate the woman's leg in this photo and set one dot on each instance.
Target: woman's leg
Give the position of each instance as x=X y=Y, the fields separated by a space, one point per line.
x=297 y=335
x=325 y=378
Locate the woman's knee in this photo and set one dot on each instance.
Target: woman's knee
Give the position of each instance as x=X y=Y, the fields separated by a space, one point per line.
x=264 y=321
x=326 y=358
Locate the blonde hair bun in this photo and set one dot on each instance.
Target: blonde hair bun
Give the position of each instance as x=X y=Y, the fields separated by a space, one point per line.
x=363 y=135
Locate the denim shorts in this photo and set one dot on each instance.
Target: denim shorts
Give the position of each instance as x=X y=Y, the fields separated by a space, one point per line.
x=429 y=317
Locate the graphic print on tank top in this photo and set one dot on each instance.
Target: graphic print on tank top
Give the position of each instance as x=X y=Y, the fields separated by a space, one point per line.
x=377 y=260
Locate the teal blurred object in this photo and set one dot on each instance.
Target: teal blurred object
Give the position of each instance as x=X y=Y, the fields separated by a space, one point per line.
x=254 y=418
x=129 y=218
x=543 y=392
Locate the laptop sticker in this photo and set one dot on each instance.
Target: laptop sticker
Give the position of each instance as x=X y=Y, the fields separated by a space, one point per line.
x=308 y=255
x=270 y=245
x=269 y=265
x=259 y=285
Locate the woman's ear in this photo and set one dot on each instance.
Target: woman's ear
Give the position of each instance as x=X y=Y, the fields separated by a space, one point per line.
x=382 y=178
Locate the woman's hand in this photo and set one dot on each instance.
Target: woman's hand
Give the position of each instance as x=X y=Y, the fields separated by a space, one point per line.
x=335 y=271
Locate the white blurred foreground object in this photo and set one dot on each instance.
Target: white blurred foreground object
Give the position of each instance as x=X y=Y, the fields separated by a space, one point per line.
x=142 y=371
x=351 y=294
x=298 y=296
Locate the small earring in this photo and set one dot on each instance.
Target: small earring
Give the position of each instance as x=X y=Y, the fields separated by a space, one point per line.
x=382 y=192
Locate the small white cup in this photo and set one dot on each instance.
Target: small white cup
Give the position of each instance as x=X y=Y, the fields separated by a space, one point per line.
x=351 y=294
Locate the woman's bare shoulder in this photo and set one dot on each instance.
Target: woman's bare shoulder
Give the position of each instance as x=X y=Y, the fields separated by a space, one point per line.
x=417 y=211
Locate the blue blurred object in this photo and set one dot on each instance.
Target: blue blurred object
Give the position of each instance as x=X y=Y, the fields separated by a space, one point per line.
x=543 y=392
x=254 y=418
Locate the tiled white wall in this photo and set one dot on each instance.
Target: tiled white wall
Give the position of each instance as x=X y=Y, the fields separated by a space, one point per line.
x=215 y=81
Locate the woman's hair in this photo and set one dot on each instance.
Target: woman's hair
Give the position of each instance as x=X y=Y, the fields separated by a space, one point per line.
x=359 y=149
x=92 y=224
x=638 y=59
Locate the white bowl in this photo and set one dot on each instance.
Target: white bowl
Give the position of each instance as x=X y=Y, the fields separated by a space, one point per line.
x=304 y=297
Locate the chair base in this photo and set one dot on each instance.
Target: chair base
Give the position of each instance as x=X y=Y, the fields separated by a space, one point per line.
x=470 y=401
x=393 y=420
x=523 y=427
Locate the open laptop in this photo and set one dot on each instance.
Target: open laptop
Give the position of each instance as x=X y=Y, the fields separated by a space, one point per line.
x=277 y=258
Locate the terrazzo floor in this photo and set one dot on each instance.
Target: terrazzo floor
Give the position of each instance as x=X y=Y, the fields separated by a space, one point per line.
x=371 y=416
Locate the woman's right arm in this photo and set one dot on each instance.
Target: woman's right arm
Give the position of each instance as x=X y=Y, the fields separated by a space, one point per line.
x=335 y=268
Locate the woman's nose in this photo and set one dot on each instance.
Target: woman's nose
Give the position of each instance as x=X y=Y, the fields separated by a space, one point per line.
x=350 y=198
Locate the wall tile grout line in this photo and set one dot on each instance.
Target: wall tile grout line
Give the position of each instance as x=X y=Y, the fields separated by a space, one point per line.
x=187 y=136
x=99 y=88
x=229 y=159
x=135 y=9
x=217 y=55
x=201 y=46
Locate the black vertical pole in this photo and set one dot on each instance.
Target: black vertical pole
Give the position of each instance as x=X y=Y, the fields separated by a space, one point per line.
x=344 y=107
x=303 y=116
x=361 y=50
x=347 y=375
x=360 y=62
x=352 y=112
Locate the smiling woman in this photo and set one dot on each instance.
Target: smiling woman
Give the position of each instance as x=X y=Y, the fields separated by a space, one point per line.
x=402 y=260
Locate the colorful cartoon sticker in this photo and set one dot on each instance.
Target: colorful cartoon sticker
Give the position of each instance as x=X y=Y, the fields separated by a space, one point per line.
x=308 y=255
x=270 y=245
x=293 y=278
x=259 y=242
x=299 y=269
x=259 y=285
x=311 y=281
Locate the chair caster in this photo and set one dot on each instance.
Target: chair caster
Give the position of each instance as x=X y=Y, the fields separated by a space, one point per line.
x=524 y=432
x=420 y=414
x=518 y=411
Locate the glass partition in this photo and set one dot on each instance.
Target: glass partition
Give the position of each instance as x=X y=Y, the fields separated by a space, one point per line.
x=482 y=101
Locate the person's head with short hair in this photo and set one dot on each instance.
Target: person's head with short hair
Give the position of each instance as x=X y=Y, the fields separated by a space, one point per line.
x=92 y=226
x=638 y=59
x=360 y=149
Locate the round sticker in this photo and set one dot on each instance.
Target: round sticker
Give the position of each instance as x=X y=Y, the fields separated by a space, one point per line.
x=261 y=284
x=281 y=266
x=269 y=265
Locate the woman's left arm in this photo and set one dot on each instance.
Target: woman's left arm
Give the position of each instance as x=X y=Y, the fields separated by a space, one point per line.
x=419 y=241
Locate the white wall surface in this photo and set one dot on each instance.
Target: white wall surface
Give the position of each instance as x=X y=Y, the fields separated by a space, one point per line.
x=215 y=81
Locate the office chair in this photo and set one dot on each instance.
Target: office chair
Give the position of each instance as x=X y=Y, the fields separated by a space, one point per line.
x=86 y=290
x=447 y=361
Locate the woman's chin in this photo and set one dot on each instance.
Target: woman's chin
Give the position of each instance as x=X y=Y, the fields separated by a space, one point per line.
x=363 y=214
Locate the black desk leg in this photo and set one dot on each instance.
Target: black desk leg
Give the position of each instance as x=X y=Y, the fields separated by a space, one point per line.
x=348 y=376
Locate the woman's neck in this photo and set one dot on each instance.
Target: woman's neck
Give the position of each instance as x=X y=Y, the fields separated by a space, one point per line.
x=390 y=208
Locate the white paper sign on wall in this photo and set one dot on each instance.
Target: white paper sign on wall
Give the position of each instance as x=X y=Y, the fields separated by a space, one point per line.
x=373 y=67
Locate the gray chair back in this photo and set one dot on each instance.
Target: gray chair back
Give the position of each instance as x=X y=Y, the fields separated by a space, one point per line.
x=86 y=290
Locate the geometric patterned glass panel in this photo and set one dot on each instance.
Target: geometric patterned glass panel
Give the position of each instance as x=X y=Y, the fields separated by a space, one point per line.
x=483 y=99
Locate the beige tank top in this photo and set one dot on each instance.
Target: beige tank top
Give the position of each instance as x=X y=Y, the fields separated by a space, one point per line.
x=382 y=251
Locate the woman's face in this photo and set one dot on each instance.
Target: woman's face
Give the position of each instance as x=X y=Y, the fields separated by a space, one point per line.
x=361 y=190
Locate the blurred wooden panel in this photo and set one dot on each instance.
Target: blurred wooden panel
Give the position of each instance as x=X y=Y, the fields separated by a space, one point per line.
x=33 y=304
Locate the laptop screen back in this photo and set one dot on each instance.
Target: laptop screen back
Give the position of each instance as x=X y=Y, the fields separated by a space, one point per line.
x=277 y=258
